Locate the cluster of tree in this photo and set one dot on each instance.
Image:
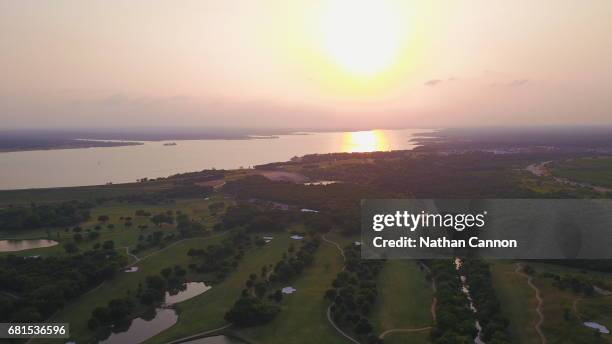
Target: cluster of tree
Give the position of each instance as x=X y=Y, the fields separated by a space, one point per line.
x=161 y=218
x=469 y=175
x=167 y=195
x=338 y=203
x=314 y=159
x=586 y=264
x=187 y=226
x=216 y=207
x=576 y=284
x=293 y=263
x=155 y=239
x=219 y=259
x=354 y=292
x=41 y=286
x=253 y=307
x=318 y=197
x=251 y=311
x=142 y=212
x=255 y=219
x=197 y=177
x=44 y=215
x=454 y=318
x=114 y=314
x=490 y=316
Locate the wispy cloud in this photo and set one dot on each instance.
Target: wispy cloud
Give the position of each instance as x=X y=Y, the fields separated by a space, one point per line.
x=433 y=82
x=518 y=82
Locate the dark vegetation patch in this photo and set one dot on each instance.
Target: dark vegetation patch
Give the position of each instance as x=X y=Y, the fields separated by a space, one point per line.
x=354 y=293
x=41 y=286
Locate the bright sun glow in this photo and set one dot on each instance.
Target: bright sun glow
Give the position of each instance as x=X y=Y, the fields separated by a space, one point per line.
x=362 y=36
x=365 y=141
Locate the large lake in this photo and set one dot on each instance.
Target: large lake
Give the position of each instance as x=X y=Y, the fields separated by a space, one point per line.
x=93 y=166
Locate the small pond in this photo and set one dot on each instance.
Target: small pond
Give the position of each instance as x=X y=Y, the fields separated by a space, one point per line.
x=599 y=327
x=188 y=291
x=159 y=319
x=26 y=244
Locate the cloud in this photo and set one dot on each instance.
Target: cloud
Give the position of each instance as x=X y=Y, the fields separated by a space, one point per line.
x=513 y=83
x=518 y=82
x=433 y=82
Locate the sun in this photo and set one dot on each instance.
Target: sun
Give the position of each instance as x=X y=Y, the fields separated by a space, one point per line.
x=362 y=37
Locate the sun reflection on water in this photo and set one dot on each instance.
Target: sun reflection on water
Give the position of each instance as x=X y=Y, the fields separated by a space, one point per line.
x=365 y=141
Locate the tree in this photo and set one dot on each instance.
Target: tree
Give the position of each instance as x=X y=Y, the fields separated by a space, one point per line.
x=249 y=311
x=166 y=272
x=108 y=245
x=93 y=235
x=93 y=323
x=71 y=247
x=278 y=295
x=363 y=326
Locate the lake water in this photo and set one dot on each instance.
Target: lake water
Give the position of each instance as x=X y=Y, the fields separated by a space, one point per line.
x=20 y=245
x=94 y=166
x=157 y=321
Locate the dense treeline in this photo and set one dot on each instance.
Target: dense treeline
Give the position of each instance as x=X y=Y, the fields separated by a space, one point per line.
x=470 y=175
x=494 y=324
x=44 y=215
x=332 y=157
x=218 y=260
x=354 y=292
x=318 y=197
x=454 y=318
x=253 y=307
x=586 y=264
x=34 y=288
x=257 y=218
x=165 y=196
x=293 y=263
x=337 y=204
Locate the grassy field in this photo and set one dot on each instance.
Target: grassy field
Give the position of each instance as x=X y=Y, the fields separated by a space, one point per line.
x=518 y=302
x=206 y=311
x=595 y=171
x=122 y=235
x=558 y=329
x=304 y=312
x=598 y=309
x=78 y=311
x=404 y=301
x=81 y=193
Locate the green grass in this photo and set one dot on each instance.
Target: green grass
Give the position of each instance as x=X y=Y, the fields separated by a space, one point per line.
x=404 y=301
x=303 y=313
x=79 y=310
x=595 y=171
x=598 y=309
x=81 y=193
x=518 y=305
x=518 y=302
x=556 y=328
x=121 y=235
x=206 y=311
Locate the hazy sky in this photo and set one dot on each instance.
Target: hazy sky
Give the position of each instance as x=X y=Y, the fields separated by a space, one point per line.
x=309 y=63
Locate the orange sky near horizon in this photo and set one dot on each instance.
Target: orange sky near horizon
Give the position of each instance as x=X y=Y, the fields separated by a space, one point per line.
x=315 y=63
